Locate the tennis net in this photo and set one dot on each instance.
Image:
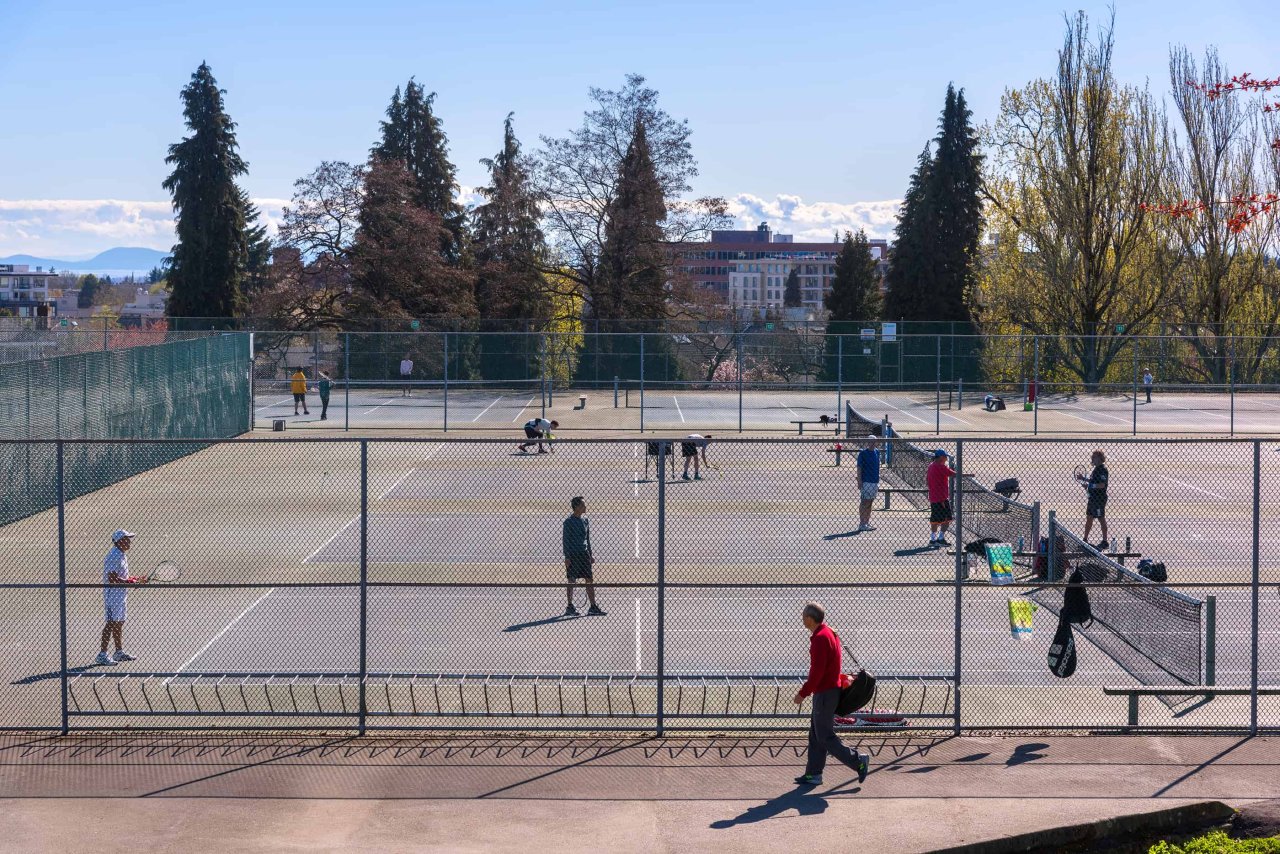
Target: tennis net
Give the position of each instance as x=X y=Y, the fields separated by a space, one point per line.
x=986 y=514
x=1151 y=631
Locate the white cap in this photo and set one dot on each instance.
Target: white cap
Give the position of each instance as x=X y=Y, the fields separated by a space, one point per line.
x=120 y=535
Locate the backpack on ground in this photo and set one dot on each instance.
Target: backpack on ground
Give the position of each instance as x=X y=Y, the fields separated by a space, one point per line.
x=1075 y=601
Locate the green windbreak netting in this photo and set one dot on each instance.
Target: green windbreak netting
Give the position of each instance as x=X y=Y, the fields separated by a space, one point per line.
x=190 y=389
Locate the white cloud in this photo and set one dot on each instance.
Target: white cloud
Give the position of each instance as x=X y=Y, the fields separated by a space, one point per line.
x=80 y=228
x=815 y=221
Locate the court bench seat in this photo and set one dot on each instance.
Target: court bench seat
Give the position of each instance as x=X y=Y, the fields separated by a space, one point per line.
x=1208 y=692
x=833 y=423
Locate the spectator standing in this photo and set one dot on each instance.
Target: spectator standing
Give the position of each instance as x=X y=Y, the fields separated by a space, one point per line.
x=1096 y=506
x=326 y=386
x=938 y=479
x=406 y=376
x=298 y=385
x=868 y=482
x=824 y=686
x=1147 y=380
x=578 y=556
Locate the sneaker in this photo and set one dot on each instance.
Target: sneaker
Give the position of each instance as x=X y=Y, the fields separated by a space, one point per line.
x=864 y=765
x=685 y=477
x=104 y=660
x=571 y=611
x=942 y=542
x=809 y=779
x=597 y=611
x=697 y=477
x=933 y=544
x=542 y=450
x=121 y=655
x=1103 y=546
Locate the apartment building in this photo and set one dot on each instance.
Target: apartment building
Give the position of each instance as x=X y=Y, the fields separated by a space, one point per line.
x=28 y=293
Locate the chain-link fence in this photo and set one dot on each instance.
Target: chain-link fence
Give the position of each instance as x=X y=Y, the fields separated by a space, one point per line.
x=779 y=380
x=365 y=584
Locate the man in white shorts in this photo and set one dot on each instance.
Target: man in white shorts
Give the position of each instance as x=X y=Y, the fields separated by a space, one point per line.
x=868 y=482
x=693 y=446
x=406 y=373
x=537 y=430
x=115 y=592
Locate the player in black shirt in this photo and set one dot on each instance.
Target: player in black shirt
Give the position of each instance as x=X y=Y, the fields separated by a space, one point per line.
x=1096 y=507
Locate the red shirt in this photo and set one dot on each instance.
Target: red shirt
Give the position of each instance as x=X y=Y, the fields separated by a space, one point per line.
x=938 y=477
x=824 y=662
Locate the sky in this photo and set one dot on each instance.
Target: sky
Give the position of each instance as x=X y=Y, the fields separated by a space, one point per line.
x=809 y=115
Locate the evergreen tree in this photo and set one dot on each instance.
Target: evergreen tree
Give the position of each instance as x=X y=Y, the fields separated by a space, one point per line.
x=88 y=289
x=909 y=282
x=209 y=258
x=413 y=135
x=854 y=299
x=957 y=210
x=791 y=294
x=633 y=261
x=257 y=246
x=507 y=248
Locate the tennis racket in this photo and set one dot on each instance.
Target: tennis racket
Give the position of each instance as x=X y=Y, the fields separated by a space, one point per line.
x=1081 y=475
x=165 y=572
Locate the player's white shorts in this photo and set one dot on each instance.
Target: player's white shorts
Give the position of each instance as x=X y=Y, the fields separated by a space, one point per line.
x=869 y=491
x=116 y=610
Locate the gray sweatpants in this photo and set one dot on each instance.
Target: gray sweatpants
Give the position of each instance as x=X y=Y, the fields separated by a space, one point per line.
x=822 y=734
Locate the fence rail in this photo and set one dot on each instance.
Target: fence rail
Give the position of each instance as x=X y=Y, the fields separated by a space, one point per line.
x=412 y=583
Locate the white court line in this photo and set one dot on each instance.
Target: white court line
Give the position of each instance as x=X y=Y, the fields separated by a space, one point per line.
x=486 y=409
x=407 y=474
x=354 y=520
x=789 y=409
x=1050 y=406
x=384 y=403
x=678 y=409
x=1189 y=409
x=521 y=411
x=635 y=484
x=1196 y=488
x=637 y=538
x=903 y=411
x=282 y=402
x=228 y=627
x=1081 y=418
x=637 y=636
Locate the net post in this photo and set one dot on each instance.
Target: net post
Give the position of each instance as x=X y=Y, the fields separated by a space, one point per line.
x=1210 y=642
x=346 y=380
x=960 y=394
x=959 y=586
x=1035 y=382
x=1135 y=387
x=1051 y=551
x=1231 y=379
x=364 y=577
x=615 y=391
x=1035 y=526
x=62 y=580
x=662 y=582
x=446 y=382
x=739 y=357
x=1253 y=629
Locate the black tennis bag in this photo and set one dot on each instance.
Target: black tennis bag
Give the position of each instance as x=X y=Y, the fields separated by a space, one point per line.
x=1153 y=571
x=858 y=693
x=1075 y=601
x=1062 y=652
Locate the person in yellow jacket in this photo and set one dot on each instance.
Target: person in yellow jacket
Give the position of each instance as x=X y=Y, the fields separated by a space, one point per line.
x=298 y=385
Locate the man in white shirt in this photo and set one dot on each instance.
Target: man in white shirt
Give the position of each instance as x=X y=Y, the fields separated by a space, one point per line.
x=406 y=372
x=115 y=592
x=691 y=448
x=535 y=431
x=1147 y=380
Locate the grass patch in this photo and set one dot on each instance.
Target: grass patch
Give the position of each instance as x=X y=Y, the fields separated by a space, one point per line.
x=1217 y=842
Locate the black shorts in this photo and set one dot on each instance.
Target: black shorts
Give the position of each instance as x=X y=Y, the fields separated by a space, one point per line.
x=299 y=398
x=939 y=512
x=1097 y=507
x=530 y=433
x=689 y=449
x=579 y=567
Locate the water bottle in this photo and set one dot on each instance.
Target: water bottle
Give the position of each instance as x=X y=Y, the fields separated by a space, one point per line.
x=1113 y=545
x=1021 y=545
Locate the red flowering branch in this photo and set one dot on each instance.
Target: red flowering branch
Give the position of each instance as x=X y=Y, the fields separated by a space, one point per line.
x=1244 y=209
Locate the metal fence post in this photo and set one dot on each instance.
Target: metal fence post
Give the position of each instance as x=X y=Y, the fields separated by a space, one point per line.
x=346 y=379
x=446 y=382
x=1231 y=379
x=839 y=376
x=1051 y=550
x=937 y=394
x=62 y=580
x=641 y=382
x=364 y=576
x=1135 y=386
x=1253 y=629
x=662 y=582
x=739 y=357
x=959 y=585
x=542 y=373
x=1035 y=383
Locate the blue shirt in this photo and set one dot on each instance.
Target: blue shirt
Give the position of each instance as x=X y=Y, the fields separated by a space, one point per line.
x=869 y=465
x=576 y=537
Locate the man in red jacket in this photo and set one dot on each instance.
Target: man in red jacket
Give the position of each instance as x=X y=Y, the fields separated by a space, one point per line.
x=823 y=686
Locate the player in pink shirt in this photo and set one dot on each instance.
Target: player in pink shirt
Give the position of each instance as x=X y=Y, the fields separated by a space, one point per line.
x=938 y=477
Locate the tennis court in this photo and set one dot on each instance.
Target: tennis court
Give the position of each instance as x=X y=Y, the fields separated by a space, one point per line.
x=450 y=523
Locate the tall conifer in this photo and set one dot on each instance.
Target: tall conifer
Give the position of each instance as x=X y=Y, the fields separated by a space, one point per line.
x=209 y=258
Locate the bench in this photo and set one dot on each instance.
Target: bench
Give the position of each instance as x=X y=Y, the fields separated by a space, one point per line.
x=832 y=422
x=1208 y=692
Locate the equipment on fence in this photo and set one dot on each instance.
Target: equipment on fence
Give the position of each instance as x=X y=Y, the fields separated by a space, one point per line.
x=1062 y=652
x=1149 y=630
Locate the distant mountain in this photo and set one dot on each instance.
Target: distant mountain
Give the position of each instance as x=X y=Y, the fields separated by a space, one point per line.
x=122 y=258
